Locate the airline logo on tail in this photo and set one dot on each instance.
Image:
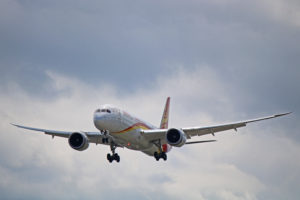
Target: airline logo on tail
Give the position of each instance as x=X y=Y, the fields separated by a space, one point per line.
x=164 y=124
x=165 y=118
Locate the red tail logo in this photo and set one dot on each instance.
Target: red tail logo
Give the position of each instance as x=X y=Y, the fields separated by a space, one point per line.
x=165 y=118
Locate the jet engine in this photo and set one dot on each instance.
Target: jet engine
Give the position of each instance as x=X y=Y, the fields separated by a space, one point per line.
x=175 y=137
x=78 y=141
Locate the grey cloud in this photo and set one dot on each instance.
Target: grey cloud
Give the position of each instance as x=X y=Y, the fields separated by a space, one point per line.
x=138 y=39
x=219 y=61
x=224 y=170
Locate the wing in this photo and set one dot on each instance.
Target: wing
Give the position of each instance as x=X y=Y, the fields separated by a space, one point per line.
x=160 y=134
x=65 y=134
x=93 y=136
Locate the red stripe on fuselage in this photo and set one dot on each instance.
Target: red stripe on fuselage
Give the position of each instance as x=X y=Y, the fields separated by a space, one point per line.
x=135 y=126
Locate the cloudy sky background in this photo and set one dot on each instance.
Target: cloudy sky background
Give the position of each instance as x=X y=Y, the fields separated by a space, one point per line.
x=220 y=61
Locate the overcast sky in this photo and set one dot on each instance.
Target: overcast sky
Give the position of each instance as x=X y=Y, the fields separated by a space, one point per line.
x=219 y=60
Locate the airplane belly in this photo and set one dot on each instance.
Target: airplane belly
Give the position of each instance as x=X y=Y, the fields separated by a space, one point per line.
x=150 y=151
x=132 y=140
x=129 y=133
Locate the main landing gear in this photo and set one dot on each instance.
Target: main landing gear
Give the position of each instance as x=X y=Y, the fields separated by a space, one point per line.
x=114 y=155
x=106 y=139
x=162 y=155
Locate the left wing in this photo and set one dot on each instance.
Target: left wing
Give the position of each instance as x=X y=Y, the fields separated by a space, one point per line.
x=160 y=134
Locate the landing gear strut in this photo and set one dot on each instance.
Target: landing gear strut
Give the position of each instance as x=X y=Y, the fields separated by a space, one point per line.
x=105 y=138
x=114 y=155
x=160 y=154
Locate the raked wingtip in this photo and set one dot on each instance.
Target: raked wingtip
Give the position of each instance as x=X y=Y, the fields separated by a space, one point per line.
x=282 y=114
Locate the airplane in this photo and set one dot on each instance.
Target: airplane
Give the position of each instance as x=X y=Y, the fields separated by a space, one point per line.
x=117 y=128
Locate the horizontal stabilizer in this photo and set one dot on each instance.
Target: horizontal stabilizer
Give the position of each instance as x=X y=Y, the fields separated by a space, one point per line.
x=203 y=141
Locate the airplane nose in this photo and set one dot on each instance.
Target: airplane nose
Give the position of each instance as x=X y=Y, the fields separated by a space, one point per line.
x=99 y=120
x=99 y=117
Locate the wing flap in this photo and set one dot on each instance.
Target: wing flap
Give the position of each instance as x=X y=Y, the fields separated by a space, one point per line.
x=211 y=129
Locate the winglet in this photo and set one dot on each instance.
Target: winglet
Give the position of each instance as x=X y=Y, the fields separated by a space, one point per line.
x=203 y=141
x=165 y=118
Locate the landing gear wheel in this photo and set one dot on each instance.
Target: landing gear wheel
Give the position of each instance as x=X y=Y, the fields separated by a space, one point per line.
x=117 y=157
x=156 y=156
x=162 y=155
x=113 y=157
x=110 y=158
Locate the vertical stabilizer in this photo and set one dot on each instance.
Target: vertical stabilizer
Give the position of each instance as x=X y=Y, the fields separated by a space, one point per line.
x=165 y=118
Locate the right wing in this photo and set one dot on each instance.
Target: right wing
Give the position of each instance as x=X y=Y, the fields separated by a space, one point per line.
x=95 y=137
x=65 y=134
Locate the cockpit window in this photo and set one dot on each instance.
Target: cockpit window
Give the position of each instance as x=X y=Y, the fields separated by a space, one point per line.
x=104 y=110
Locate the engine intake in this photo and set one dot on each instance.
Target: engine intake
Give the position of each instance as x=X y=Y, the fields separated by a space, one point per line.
x=175 y=137
x=78 y=141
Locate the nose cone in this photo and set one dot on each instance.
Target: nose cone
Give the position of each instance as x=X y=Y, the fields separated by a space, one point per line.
x=100 y=120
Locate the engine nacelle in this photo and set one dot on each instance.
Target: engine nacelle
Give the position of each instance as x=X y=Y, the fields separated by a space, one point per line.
x=78 y=141
x=175 y=137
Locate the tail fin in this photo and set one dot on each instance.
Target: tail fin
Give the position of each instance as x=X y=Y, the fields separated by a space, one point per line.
x=165 y=118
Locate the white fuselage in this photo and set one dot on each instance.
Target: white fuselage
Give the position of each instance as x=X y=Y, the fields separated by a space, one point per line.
x=124 y=128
